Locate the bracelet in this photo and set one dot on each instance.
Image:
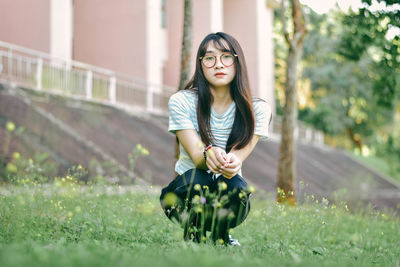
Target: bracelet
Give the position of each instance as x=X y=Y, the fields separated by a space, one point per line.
x=206 y=148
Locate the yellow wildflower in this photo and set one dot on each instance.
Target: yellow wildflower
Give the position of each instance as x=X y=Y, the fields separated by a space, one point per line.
x=10 y=126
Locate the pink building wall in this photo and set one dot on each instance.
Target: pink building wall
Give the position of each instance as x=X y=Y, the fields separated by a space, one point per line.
x=111 y=35
x=240 y=22
x=250 y=22
x=26 y=23
x=174 y=21
x=202 y=25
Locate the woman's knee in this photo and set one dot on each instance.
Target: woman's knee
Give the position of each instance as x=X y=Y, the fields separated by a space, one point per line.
x=189 y=180
x=236 y=184
x=239 y=196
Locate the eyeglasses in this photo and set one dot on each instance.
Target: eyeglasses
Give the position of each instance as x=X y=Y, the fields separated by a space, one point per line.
x=226 y=59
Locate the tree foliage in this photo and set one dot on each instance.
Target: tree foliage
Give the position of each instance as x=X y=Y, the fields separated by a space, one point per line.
x=342 y=89
x=344 y=102
x=368 y=31
x=351 y=68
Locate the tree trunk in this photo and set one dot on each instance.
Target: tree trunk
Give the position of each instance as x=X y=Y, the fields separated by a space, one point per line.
x=287 y=159
x=355 y=139
x=185 y=55
x=186 y=44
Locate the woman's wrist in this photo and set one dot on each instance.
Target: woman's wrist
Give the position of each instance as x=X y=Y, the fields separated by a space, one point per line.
x=206 y=148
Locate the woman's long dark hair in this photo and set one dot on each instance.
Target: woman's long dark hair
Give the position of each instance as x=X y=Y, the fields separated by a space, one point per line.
x=244 y=123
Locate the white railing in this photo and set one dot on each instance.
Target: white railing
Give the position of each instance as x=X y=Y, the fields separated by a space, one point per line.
x=40 y=71
x=26 y=67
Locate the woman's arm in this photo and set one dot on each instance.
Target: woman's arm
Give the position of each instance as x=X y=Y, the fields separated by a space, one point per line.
x=263 y=117
x=236 y=157
x=193 y=145
x=243 y=153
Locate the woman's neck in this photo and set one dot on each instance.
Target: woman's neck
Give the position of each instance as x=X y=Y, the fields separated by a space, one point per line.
x=222 y=96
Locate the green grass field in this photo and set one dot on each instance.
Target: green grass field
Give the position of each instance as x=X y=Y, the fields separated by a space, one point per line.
x=66 y=224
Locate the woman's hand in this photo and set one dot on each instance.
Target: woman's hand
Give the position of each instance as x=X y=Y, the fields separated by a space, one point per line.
x=232 y=166
x=216 y=159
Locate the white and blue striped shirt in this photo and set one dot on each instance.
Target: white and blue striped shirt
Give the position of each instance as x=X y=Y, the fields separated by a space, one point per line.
x=182 y=116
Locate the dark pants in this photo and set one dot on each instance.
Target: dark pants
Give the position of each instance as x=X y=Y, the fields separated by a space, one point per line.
x=224 y=208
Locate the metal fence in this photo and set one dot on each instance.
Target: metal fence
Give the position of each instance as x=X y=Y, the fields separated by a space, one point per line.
x=40 y=71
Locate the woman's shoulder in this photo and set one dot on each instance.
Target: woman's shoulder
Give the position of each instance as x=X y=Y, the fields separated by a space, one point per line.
x=183 y=98
x=184 y=94
x=262 y=108
x=259 y=103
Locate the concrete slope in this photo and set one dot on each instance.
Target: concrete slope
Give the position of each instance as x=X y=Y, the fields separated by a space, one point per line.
x=45 y=132
x=322 y=171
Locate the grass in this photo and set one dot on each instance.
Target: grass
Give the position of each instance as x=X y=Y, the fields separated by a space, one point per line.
x=67 y=224
x=380 y=165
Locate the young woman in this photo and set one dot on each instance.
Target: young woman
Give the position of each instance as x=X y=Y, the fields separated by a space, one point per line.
x=217 y=124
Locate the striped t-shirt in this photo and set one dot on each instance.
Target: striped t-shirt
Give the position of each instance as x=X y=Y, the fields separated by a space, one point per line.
x=182 y=116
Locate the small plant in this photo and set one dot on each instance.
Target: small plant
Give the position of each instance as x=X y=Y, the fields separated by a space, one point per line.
x=78 y=173
x=36 y=169
x=19 y=169
x=5 y=167
x=109 y=172
x=133 y=157
x=10 y=127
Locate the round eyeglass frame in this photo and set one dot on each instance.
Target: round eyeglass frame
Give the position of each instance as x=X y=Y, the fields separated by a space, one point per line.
x=220 y=59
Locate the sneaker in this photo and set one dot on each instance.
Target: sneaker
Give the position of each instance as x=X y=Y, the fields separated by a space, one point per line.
x=233 y=242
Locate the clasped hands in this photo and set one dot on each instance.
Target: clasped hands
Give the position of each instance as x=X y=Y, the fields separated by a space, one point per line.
x=220 y=162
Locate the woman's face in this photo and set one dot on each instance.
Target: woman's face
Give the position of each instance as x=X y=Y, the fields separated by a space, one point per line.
x=223 y=71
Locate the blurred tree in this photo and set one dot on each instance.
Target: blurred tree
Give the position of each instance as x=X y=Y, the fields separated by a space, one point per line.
x=369 y=31
x=343 y=89
x=352 y=68
x=185 y=54
x=186 y=43
x=286 y=168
